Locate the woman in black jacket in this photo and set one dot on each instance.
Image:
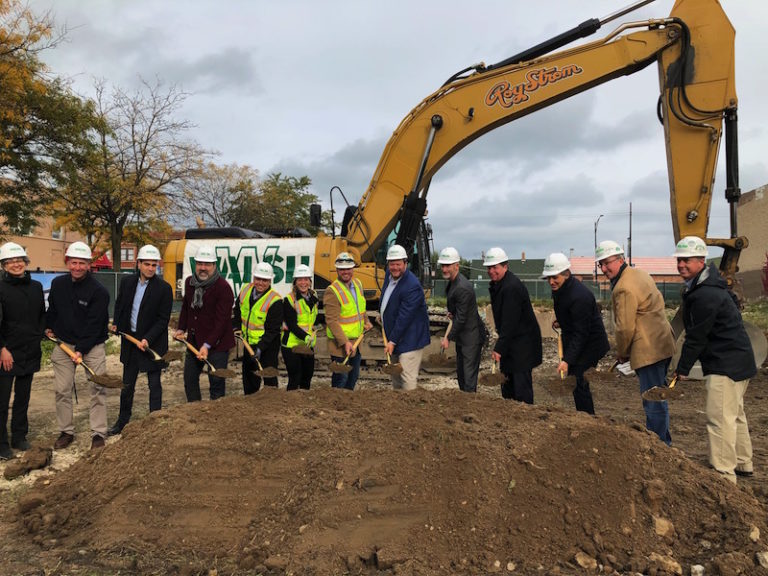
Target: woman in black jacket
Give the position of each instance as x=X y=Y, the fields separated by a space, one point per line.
x=22 y=321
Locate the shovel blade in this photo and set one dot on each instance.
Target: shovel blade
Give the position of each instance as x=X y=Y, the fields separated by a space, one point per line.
x=172 y=355
x=491 y=379
x=268 y=372
x=440 y=360
x=661 y=393
x=392 y=369
x=337 y=368
x=303 y=349
x=560 y=386
x=222 y=373
x=106 y=381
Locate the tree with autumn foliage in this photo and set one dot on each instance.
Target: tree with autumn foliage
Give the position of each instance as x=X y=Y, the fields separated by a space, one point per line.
x=43 y=125
x=140 y=159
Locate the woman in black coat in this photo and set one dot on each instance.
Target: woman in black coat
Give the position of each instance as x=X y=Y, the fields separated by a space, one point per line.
x=22 y=321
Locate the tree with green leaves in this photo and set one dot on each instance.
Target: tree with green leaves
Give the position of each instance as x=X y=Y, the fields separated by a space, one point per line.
x=279 y=203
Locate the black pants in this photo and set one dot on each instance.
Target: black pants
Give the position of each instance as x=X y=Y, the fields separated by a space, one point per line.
x=130 y=375
x=518 y=386
x=251 y=381
x=582 y=396
x=192 y=369
x=19 y=422
x=300 y=369
x=468 y=365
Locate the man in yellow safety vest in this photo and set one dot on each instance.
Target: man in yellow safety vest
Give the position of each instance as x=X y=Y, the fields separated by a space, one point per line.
x=259 y=314
x=345 y=320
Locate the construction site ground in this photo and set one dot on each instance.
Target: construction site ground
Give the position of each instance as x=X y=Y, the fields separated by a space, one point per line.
x=375 y=481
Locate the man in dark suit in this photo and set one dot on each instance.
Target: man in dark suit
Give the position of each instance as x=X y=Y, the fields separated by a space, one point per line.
x=518 y=348
x=206 y=318
x=467 y=329
x=404 y=316
x=142 y=310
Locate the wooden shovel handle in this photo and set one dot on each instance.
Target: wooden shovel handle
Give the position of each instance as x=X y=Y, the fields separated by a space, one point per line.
x=196 y=352
x=131 y=339
x=560 y=352
x=71 y=353
x=246 y=345
x=356 y=343
x=448 y=330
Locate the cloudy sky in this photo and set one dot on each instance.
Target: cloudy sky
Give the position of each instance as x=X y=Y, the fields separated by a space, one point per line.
x=317 y=87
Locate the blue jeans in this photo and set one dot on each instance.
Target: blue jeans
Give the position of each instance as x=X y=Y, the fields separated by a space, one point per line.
x=656 y=413
x=349 y=379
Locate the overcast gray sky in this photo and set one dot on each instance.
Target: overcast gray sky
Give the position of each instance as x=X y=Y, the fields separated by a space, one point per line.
x=317 y=87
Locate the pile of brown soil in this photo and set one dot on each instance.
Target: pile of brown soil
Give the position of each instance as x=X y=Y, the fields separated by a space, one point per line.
x=427 y=482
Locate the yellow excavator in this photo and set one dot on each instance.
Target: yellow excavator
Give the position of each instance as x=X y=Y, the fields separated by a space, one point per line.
x=694 y=49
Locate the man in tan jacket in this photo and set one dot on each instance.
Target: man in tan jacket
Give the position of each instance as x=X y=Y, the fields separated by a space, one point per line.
x=643 y=333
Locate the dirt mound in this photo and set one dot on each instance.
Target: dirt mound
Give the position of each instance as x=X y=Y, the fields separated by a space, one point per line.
x=427 y=482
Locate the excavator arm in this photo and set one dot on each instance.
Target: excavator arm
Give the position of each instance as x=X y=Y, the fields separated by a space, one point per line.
x=694 y=49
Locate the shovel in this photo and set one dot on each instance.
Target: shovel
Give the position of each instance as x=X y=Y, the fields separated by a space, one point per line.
x=495 y=378
x=269 y=371
x=563 y=385
x=101 y=379
x=440 y=359
x=303 y=349
x=389 y=368
x=212 y=370
x=344 y=368
x=661 y=393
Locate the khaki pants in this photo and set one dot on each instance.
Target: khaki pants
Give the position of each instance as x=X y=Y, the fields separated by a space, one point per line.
x=63 y=379
x=411 y=362
x=730 y=447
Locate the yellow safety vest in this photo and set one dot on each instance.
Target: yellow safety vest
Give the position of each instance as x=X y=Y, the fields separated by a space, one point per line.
x=305 y=318
x=352 y=315
x=252 y=318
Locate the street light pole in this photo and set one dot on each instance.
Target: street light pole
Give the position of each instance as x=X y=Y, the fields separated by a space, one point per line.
x=596 y=221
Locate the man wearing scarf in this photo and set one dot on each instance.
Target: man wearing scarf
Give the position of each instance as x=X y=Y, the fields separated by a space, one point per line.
x=205 y=318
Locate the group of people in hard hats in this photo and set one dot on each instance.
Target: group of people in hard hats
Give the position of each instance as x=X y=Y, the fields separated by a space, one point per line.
x=211 y=318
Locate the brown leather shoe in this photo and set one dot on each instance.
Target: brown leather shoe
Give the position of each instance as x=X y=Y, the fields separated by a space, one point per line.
x=63 y=441
x=97 y=442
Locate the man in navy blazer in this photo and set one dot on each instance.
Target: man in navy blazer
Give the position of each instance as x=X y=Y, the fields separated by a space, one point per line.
x=142 y=310
x=403 y=310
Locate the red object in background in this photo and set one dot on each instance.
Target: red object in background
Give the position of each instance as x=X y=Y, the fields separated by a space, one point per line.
x=102 y=263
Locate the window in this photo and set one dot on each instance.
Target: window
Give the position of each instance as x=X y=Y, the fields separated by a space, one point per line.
x=127 y=254
x=58 y=233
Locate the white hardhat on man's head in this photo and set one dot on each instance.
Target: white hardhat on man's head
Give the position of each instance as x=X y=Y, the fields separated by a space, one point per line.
x=78 y=250
x=264 y=271
x=691 y=247
x=495 y=256
x=396 y=252
x=606 y=249
x=12 y=250
x=302 y=271
x=344 y=261
x=149 y=252
x=555 y=264
x=206 y=253
x=448 y=255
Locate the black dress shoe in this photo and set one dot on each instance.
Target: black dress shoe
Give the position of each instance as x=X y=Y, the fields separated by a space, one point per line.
x=21 y=444
x=115 y=430
x=746 y=473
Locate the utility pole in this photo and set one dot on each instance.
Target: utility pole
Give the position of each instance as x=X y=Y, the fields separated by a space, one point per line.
x=629 y=240
x=596 y=221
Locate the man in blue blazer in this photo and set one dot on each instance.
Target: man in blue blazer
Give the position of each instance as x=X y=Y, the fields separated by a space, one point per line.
x=404 y=316
x=142 y=310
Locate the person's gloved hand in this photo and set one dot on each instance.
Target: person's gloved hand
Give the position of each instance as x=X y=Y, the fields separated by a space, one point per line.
x=257 y=353
x=310 y=340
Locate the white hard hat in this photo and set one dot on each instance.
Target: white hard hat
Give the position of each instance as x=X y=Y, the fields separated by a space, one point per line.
x=554 y=264
x=396 y=252
x=206 y=253
x=12 y=250
x=344 y=261
x=78 y=250
x=691 y=247
x=149 y=252
x=448 y=255
x=606 y=249
x=495 y=256
x=302 y=271
x=264 y=271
